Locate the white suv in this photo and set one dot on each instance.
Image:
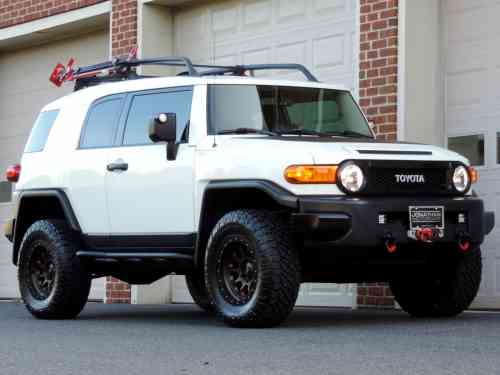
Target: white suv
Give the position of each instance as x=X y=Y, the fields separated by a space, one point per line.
x=247 y=186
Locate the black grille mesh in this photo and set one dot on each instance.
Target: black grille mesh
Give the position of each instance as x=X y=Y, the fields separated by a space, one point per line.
x=381 y=178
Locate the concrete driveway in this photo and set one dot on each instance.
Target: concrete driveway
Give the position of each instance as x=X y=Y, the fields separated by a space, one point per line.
x=180 y=339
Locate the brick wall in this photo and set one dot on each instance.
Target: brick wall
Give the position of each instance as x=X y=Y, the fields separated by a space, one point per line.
x=378 y=95
x=13 y=12
x=123 y=38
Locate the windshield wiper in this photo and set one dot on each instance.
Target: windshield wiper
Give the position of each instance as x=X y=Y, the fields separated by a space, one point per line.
x=301 y=132
x=350 y=133
x=248 y=131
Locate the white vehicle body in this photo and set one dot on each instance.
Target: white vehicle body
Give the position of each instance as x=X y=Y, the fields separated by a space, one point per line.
x=111 y=203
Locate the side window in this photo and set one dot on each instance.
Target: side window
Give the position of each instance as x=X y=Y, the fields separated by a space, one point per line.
x=40 y=132
x=102 y=120
x=145 y=106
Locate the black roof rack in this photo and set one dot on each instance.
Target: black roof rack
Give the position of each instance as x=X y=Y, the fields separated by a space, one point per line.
x=123 y=69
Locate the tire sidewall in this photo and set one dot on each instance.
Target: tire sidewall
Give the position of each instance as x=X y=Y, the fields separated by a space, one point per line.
x=213 y=254
x=28 y=246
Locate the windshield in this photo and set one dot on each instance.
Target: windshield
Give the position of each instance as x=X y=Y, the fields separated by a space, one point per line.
x=281 y=109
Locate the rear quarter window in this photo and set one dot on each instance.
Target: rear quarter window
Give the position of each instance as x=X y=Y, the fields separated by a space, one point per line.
x=40 y=132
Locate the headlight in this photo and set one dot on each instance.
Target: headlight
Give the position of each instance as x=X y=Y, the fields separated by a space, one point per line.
x=461 y=179
x=351 y=177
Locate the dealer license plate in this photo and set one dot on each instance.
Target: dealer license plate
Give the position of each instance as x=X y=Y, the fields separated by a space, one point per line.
x=426 y=217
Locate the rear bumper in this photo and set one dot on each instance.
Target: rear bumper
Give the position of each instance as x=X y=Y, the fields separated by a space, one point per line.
x=341 y=221
x=9 y=229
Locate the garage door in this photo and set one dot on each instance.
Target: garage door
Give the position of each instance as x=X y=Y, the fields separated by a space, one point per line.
x=472 y=40
x=320 y=34
x=24 y=90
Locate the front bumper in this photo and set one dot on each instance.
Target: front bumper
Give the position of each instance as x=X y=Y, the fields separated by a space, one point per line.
x=342 y=221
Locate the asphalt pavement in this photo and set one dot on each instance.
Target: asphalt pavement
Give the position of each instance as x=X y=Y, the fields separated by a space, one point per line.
x=180 y=339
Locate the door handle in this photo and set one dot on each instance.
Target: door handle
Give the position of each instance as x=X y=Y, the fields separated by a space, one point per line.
x=117 y=167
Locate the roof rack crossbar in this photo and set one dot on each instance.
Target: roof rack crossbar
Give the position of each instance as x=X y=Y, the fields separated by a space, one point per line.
x=241 y=69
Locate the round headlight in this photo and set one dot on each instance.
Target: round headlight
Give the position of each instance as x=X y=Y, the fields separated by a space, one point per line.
x=351 y=177
x=461 y=180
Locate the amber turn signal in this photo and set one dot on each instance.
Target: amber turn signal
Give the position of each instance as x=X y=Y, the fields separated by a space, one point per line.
x=473 y=174
x=311 y=174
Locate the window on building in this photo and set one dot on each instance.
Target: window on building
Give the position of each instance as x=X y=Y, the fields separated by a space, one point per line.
x=5 y=191
x=145 y=106
x=101 y=124
x=40 y=132
x=470 y=146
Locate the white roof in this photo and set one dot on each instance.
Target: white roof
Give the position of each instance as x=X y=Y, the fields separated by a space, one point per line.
x=104 y=89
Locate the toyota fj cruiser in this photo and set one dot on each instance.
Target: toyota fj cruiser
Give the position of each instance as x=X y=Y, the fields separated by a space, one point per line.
x=247 y=186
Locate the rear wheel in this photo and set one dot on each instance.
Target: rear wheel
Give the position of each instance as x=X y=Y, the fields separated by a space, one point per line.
x=252 y=269
x=52 y=280
x=444 y=290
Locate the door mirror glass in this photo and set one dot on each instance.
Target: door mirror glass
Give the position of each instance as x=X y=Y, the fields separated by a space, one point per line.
x=163 y=128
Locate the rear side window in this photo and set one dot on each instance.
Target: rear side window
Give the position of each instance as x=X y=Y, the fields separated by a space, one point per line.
x=101 y=124
x=40 y=131
x=145 y=106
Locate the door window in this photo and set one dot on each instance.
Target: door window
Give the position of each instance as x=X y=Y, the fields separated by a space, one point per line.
x=101 y=124
x=145 y=106
x=470 y=146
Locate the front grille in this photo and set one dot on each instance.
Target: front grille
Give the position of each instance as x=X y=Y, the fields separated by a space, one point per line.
x=382 y=178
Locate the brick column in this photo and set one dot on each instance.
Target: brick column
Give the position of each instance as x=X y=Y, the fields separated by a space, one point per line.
x=123 y=38
x=378 y=95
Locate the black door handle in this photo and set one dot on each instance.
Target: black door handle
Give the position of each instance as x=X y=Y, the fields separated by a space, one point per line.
x=117 y=167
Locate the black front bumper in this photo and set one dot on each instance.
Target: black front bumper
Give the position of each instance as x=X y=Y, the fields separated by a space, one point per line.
x=341 y=221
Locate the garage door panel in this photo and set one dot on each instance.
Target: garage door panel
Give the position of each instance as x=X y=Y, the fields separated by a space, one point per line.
x=25 y=90
x=473 y=107
x=320 y=34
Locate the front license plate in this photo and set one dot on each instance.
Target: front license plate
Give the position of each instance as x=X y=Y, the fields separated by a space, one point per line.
x=426 y=217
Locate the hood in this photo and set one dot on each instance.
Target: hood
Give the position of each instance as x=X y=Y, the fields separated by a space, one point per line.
x=336 y=150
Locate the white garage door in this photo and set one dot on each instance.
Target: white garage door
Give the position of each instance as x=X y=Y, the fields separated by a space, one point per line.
x=25 y=89
x=472 y=40
x=320 y=34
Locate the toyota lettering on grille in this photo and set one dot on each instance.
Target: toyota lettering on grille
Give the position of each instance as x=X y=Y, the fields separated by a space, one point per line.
x=410 y=178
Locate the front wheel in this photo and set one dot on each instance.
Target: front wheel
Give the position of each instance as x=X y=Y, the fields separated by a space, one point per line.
x=445 y=289
x=252 y=269
x=53 y=282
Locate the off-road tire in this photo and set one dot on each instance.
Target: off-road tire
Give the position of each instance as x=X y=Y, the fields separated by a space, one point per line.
x=446 y=289
x=269 y=240
x=71 y=285
x=198 y=291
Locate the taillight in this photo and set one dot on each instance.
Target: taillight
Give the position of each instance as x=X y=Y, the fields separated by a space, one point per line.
x=13 y=173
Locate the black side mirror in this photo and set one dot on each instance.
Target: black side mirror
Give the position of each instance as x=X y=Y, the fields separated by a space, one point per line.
x=163 y=128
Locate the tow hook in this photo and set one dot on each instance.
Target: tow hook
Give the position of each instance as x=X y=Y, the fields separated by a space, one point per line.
x=463 y=243
x=390 y=244
x=424 y=234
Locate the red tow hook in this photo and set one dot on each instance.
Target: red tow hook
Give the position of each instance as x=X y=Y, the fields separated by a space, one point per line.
x=390 y=245
x=424 y=234
x=464 y=245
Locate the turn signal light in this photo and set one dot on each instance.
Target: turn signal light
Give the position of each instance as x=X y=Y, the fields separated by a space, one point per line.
x=473 y=174
x=311 y=174
x=13 y=173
